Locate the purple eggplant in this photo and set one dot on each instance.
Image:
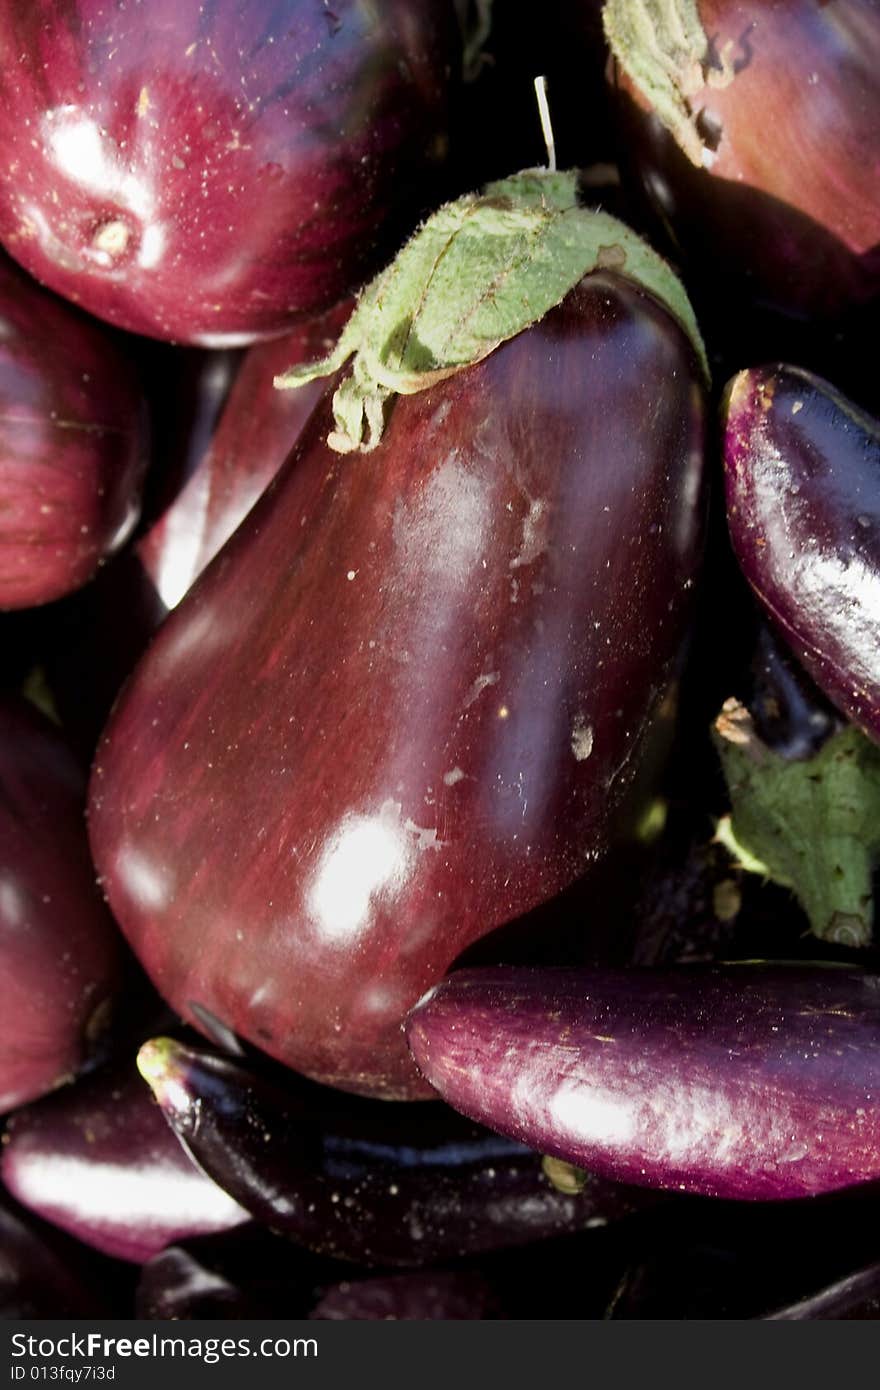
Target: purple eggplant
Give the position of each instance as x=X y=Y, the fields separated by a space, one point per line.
x=59 y=948
x=235 y=432
x=73 y=444
x=754 y=130
x=746 y=1081
x=855 y=1298
x=802 y=468
x=412 y=697
x=356 y=1180
x=44 y=1275
x=99 y=1161
x=462 y=1295
x=256 y=431
x=211 y=173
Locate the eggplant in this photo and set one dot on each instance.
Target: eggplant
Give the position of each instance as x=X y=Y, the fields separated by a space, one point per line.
x=748 y=1081
x=209 y=174
x=44 y=1275
x=243 y=1273
x=802 y=474
x=413 y=696
x=855 y=1298
x=229 y=443
x=747 y=125
x=462 y=1295
x=73 y=444
x=355 y=1180
x=59 y=947
x=98 y=1160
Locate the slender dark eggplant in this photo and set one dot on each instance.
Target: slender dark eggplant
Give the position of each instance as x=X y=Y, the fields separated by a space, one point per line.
x=420 y=1296
x=855 y=1298
x=802 y=470
x=60 y=957
x=355 y=1180
x=73 y=444
x=753 y=129
x=746 y=1081
x=98 y=1160
x=411 y=698
x=209 y=174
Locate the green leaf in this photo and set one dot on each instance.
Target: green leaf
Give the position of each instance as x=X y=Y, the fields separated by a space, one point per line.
x=811 y=825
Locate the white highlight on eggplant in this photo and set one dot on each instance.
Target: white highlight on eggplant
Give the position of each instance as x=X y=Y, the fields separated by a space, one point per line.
x=590 y=1117
x=367 y=856
x=109 y=1192
x=147 y=883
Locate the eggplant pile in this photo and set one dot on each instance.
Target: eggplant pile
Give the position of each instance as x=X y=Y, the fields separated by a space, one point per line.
x=440 y=680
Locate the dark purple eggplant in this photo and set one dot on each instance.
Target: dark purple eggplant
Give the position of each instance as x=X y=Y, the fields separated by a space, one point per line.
x=802 y=469
x=254 y=435
x=73 y=444
x=243 y=1273
x=356 y=1180
x=746 y=1081
x=60 y=956
x=209 y=174
x=99 y=1161
x=856 y=1298
x=416 y=1297
x=752 y=128
x=232 y=439
x=411 y=698
x=44 y=1275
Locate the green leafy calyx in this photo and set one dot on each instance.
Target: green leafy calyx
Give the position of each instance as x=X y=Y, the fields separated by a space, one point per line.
x=479 y=271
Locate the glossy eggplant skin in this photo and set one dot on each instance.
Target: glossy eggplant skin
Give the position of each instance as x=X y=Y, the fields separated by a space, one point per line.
x=854 y=1299
x=746 y=1081
x=785 y=206
x=410 y=696
x=354 y=1180
x=98 y=1160
x=802 y=478
x=254 y=434
x=60 y=957
x=210 y=173
x=230 y=443
x=73 y=444
x=243 y=1273
x=42 y=1276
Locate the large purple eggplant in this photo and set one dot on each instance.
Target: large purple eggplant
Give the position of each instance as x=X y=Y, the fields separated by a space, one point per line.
x=73 y=444
x=59 y=948
x=411 y=698
x=210 y=173
x=750 y=1081
x=802 y=468
x=754 y=129
x=356 y=1180
x=99 y=1161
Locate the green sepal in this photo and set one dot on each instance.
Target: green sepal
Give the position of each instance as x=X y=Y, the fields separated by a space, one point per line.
x=479 y=271
x=811 y=825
